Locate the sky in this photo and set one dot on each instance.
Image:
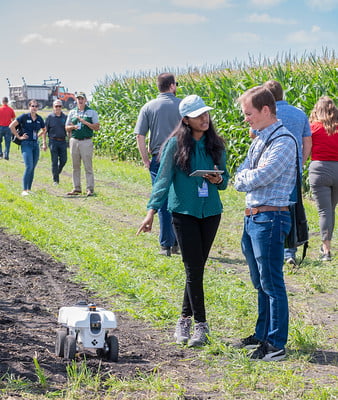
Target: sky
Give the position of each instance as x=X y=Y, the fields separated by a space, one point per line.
x=83 y=42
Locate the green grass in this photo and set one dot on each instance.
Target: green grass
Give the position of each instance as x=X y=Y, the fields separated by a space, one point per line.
x=96 y=238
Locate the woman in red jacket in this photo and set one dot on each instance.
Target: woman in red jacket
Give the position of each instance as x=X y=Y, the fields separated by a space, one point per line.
x=323 y=172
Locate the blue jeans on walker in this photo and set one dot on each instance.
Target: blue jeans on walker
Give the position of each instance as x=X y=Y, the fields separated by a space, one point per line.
x=290 y=253
x=5 y=133
x=30 y=153
x=167 y=236
x=263 y=247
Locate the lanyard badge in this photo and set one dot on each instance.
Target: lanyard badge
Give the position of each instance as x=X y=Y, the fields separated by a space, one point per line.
x=203 y=190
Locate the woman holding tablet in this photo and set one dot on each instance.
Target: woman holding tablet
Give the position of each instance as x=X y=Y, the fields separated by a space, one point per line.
x=194 y=203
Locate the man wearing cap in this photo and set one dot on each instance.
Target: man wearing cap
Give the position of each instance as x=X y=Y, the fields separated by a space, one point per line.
x=80 y=124
x=159 y=117
x=268 y=176
x=56 y=130
x=7 y=115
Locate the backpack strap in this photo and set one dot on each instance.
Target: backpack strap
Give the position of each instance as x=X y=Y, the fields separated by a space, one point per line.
x=267 y=143
x=298 y=183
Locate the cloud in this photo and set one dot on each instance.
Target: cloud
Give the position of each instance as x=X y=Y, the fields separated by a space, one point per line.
x=265 y=3
x=267 y=19
x=36 y=37
x=307 y=37
x=107 y=26
x=171 y=18
x=205 y=4
x=245 y=37
x=323 y=5
x=315 y=28
x=87 y=25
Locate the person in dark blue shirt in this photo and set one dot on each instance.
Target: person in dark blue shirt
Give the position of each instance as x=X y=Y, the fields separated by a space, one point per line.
x=56 y=130
x=31 y=127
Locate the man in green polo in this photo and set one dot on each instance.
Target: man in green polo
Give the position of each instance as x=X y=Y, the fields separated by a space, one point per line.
x=80 y=124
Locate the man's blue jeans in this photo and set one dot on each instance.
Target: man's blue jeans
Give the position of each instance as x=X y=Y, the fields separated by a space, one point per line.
x=5 y=133
x=58 y=152
x=263 y=247
x=167 y=236
x=30 y=152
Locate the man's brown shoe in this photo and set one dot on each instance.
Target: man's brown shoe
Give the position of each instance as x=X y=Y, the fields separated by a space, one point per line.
x=74 y=192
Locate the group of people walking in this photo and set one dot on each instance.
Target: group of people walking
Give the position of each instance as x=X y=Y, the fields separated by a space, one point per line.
x=267 y=176
x=79 y=126
x=186 y=158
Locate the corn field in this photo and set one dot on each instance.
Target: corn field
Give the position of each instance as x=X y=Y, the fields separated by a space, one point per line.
x=119 y=99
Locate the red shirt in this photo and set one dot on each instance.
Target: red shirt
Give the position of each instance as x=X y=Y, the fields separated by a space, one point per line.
x=7 y=115
x=324 y=146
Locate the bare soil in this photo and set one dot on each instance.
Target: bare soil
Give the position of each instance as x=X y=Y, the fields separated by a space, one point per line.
x=33 y=287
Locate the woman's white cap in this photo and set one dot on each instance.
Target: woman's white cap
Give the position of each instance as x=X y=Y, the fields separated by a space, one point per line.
x=192 y=106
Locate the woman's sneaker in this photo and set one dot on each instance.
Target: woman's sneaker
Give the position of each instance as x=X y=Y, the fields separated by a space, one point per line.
x=200 y=336
x=267 y=352
x=325 y=256
x=182 y=331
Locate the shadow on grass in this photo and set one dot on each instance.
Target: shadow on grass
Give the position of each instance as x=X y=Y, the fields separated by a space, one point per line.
x=320 y=357
x=323 y=357
x=231 y=261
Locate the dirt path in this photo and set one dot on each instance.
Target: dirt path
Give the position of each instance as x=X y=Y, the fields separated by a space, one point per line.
x=33 y=287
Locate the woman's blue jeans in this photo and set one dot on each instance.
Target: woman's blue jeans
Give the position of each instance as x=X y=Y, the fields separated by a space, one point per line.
x=30 y=153
x=263 y=246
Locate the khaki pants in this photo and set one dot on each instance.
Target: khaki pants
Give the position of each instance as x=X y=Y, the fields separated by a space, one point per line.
x=82 y=150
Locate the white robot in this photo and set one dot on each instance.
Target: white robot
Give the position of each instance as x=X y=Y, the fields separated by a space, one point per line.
x=85 y=326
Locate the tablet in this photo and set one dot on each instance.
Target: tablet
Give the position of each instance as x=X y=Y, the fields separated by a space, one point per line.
x=201 y=172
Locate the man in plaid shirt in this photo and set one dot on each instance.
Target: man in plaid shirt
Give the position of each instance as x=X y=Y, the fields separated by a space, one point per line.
x=268 y=176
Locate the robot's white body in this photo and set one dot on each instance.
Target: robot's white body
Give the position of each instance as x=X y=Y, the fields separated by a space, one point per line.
x=88 y=326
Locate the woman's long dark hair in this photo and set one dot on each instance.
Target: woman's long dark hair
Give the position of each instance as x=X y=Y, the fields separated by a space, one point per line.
x=214 y=145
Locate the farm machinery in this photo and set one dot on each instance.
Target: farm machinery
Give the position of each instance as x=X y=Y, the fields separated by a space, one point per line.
x=45 y=94
x=85 y=326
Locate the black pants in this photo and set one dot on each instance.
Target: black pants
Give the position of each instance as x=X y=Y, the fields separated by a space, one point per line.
x=58 y=152
x=195 y=237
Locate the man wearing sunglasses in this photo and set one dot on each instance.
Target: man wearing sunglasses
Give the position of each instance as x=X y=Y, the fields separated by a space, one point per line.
x=56 y=130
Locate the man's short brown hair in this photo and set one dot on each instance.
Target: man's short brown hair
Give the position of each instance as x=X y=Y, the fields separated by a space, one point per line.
x=275 y=88
x=164 y=81
x=260 y=96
